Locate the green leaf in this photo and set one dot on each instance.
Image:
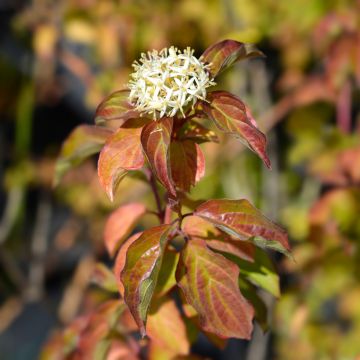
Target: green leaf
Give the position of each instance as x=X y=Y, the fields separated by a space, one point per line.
x=210 y=284
x=242 y=220
x=115 y=107
x=120 y=223
x=193 y=131
x=166 y=280
x=83 y=141
x=140 y=274
x=261 y=272
x=227 y=52
x=155 y=140
x=232 y=116
x=122 y=152
x=187 y=164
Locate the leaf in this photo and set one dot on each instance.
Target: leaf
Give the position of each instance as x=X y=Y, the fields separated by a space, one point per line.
x=187 y=164
x=115 y=107
x=120 y=223
x=122 y=152
x=227 y=52
x=139 y=276
x=192 y=130
x=103 y=277
x=210 y=285
x=100 y=324
x=166 y=280
x=231 y=116
x=155 y=140
x=197 y=227
x=166 y=328
x=260 y=272
x=260 y=308
x=83 y=141
x=121 y=259
x=242 y=220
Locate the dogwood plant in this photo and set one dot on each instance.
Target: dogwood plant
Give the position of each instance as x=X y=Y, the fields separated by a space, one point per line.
x=210 y=258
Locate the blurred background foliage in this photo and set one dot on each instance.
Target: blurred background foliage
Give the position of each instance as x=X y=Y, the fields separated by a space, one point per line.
x=59 y=59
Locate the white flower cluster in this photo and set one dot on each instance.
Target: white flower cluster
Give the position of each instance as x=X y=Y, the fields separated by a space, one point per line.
x=166 y=82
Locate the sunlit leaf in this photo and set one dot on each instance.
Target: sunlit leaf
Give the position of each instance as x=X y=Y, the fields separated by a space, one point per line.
x=242 y=220
x=231 y=116
x=166 y=328
x=83 y=141
x=260 y=272
x=210 y=285
x=140 y=274
x=225 y=53
x=120 y=223
x=187 y=164
x=115 y=107
x=121 y=153
x=155 y=139
x=197 y=227
x=121 y=260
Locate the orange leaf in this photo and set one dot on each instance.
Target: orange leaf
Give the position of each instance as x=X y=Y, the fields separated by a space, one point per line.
x=122 y=152
x=166 y=328
x=119 y=225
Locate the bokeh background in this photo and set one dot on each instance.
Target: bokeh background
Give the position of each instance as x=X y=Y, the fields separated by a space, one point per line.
x=58 y=59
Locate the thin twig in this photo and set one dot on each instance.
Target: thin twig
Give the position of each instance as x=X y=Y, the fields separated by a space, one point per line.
x=38 y=249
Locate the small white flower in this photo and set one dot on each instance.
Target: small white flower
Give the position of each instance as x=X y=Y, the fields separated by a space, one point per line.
x=166 y=82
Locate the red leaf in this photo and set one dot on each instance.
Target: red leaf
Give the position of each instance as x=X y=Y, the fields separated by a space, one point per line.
x=141 y=271
x=225 y=53
x=197 y=227
x=231 y=116
x=187 y=164
x=116 y=107
x=210 y=285
x=155 y=140
x=122 y=152
x=83 y=141
x=242 y=220
x=119 y=225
